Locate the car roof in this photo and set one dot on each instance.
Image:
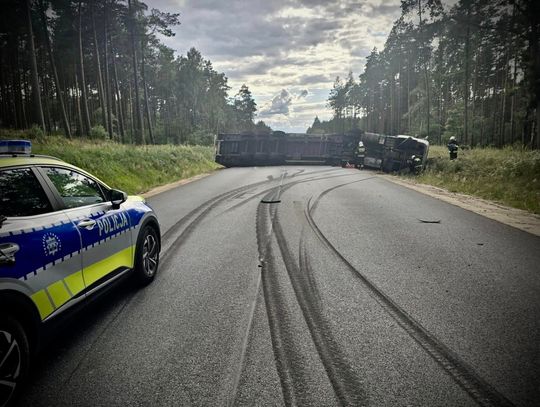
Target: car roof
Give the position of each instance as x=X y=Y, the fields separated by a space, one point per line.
x=17 y=160
x=11 y=160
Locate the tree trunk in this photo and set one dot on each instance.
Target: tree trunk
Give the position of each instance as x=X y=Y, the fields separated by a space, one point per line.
x=512 y=103
x=398 y=118
x=59 y=95
x=27 y=99
x=440 y=90
x=426 y=74
x=5 y=111
x=477 y=54
x=505 y=84
x=494 y=127
x=107 y=76
x=46 y=94
x=409 y=94
x=466 y=81
x=101 y=92
x=86 y=113
x=70 y=106
x=381 y=110
x=131 y=116
x=139 y=131
x=80 y=126
x=482 y=126
x=10 y=89
x=145 y=88
x=118 y=98
x=38 y=108
x=15 y=78
x=392 y=112
x=428 y=99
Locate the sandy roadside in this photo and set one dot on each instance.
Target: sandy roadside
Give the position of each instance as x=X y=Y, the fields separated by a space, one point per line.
x=517 y=218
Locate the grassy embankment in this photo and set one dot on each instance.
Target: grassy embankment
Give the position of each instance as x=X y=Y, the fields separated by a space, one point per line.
x=510 y=176
x=133 y=169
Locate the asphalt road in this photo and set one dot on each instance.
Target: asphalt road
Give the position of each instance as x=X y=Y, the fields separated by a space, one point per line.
x=313 y=286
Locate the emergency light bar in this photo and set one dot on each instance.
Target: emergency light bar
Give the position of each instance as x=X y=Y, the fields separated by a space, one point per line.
x=15 y=147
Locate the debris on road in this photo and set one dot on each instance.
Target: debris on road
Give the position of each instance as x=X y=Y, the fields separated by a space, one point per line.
x=430 y=221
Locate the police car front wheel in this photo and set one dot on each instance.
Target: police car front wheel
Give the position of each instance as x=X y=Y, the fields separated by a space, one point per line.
x=147 y=255
x=14 y=358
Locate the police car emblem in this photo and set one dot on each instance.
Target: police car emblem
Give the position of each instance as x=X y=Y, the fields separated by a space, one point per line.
x=51 y=244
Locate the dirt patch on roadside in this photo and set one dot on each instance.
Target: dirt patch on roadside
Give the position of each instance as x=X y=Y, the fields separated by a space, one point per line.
x=517 y=218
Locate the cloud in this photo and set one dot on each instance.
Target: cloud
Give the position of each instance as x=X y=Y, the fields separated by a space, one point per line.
x=303 y=93
x=279 y=104
x=280 y=48
x=313 y=79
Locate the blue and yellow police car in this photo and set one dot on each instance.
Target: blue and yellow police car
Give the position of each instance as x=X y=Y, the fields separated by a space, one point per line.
x=64 y=235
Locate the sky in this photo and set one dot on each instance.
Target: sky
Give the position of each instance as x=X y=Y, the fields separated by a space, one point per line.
x=288 y=52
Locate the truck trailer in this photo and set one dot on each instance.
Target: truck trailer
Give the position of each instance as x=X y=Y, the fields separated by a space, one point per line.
x=386 y=153
x=279 y=148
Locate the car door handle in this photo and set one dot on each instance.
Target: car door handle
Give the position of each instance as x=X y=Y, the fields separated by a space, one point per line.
x=87 y=224
x=7 y=252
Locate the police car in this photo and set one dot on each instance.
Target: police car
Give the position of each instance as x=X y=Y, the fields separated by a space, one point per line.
x=64 y=235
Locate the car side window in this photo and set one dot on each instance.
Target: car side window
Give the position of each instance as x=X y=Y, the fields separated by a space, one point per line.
x=22 y=194
x=75 y=189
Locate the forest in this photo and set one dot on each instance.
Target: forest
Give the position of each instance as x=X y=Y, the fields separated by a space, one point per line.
x=98 y=69
x=471 y=71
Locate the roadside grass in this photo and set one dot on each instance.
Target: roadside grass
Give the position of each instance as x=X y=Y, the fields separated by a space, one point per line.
x=510 y=176
x=133 y=169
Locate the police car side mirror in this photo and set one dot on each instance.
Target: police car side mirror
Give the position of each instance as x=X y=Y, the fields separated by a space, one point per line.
x=117 y=198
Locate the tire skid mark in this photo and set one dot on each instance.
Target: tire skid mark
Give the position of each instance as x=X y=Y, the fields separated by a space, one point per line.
x=190 y=221
x=222 y=197
x=284 y=188
x=277 y=314
x=464 y=375
x=302 y=172
x=346 y=385
x=305 y=268
x=233 y=393
x=205 y=208
x=336 y=187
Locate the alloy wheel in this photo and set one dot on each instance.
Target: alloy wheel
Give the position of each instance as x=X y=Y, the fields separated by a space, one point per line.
x=10 y=366
x=150 y=254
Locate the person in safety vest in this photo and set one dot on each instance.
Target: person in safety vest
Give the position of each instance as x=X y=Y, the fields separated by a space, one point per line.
x=360 y=154
x=415 y=164
x=453 y=148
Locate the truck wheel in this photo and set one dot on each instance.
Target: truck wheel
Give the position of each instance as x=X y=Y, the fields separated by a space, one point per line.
x=147 y=255
x=14 y=358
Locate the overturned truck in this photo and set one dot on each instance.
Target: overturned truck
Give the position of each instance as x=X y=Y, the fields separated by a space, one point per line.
x=394 y=153
x=387 y=153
